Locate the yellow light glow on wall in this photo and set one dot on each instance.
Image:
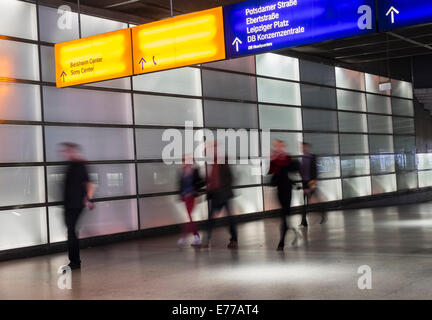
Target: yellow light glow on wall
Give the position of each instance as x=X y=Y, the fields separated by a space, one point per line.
x=180 y=41
x=96 y=58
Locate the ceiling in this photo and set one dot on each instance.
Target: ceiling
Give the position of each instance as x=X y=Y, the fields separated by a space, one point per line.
x=388 y=54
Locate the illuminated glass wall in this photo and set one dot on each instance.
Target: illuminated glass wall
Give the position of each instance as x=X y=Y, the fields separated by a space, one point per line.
x=365 y=138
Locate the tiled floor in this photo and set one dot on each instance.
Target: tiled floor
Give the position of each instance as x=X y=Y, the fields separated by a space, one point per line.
x=395 y=242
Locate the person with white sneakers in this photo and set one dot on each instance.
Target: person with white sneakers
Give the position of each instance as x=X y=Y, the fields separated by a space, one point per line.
x=190 y=182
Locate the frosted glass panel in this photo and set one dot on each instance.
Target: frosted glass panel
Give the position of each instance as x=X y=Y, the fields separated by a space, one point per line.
x=19 y=60
x=405 y=161
x=121 y=83
x=378 y=104
x=322 y=143
x=275 y=91
x=108 y=217
x=247 y=200
x=356 y=187
x=382 y=164
x=228 y=85
x=93 y=25
x=80 y=105
x=277 y=66
x=167 y=111
x=149 y=143
x=425 y=179
x=373 y=82
x=352 y=122
x=355 y=166
x=402 y=107
x=18 y=19
x=353 y=143
x=97 y=143
x=328 y=167
x=404 y=144
x=221 y=114
x=329 y=190
x=381 y=144
x=274 y=117
x=158 y=177
x=48 y=64
x=19 y=101
x=292 y=141
x=383 y=184
x=271 y=201
x=380 y=124
x=24 y=185
x=185 y=81
x=321 y=97
x=243 y=64
x=246 y=174
x=350 y=79
x=110 y=180
x=317 y=120
x=20 y=143
x=403 y=125
x=424 y=161
x=49 y=29
x=317 y=73
x=351 y=101
x=407 y=180
x=22 y=228
x=168 y=210
x=402 y=89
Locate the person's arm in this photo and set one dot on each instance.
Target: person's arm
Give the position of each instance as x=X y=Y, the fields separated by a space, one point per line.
x=89 y=189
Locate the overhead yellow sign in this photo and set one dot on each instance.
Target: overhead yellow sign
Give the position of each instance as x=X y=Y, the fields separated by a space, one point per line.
x=96 y=58
x=180 y=41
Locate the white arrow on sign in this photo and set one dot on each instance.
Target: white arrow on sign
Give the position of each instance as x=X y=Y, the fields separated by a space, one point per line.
x=236 y=43
x=392 y=12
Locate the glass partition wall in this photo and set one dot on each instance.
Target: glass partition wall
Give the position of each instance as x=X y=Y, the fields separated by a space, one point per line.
x=364 y=138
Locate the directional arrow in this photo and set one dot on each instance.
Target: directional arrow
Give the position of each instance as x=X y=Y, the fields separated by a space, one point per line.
x=142 y=61
x=63 y=75
x=236 y=43
x=392 y=12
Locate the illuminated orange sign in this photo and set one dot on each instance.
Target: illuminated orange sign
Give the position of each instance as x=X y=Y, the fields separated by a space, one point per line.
x=101 y=57
x=180 y=41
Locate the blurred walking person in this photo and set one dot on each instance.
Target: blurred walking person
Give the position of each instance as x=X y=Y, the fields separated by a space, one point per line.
x=281 y=164
x=190 y=182
x=219 y=193
x=308 y=171
x=78 y=194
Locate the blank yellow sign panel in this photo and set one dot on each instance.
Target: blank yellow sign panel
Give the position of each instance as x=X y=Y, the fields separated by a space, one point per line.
x=96 y=58
x=180 y=41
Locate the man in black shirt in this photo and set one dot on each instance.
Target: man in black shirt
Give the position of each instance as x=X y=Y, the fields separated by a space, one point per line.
x=78 y=193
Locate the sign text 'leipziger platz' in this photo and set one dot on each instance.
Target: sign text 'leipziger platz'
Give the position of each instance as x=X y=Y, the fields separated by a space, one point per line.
x=257 y=26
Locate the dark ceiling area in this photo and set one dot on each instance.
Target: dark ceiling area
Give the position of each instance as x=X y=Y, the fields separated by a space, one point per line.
x=388 y=54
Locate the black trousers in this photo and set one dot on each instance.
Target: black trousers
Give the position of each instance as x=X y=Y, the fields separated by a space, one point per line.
x=284 y=196
x=216 y=206
x=72 y=216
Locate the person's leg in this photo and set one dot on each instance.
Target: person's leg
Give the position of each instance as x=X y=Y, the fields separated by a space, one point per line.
x=210 y=222
x=304 y=222
x=282 y=196
x=72 y=216
x=232 y=226
x=190 y=206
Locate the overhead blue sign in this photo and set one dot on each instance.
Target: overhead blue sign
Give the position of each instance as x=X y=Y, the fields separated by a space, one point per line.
x=395 y=14
x=265 y=25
